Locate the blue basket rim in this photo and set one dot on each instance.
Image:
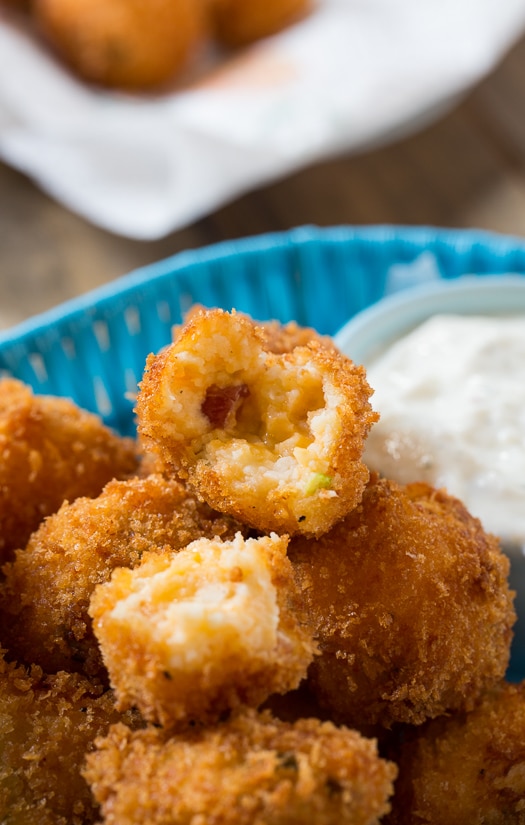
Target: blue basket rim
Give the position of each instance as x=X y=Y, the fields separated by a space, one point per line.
x=419 y=237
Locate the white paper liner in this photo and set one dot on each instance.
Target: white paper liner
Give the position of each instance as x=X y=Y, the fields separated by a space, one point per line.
x=353 y=73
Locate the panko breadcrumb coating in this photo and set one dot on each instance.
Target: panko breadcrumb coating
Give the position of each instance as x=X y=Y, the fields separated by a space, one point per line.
x=45 y=596
x=278 y=338
x=251 y=770
x=50 y=450
x=274 y=439
x=239 y=22
x=409 y=601
x=281 y=338
x=190 y=636
x=466 y=768
x=127 y=44
x=47 y=724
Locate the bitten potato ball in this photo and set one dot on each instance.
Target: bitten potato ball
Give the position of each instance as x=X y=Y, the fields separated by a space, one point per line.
x=44 y=599
x=128 y=44
x=251 y=769
x=190 y=636
x=50 y=450
x=409 y=601
x=273 y=438
x=466 y=768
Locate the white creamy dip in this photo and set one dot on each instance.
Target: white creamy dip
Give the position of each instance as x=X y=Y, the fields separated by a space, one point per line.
x=451 y=396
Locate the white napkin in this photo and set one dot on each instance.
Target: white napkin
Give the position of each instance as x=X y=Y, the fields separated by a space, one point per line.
x=352 y=73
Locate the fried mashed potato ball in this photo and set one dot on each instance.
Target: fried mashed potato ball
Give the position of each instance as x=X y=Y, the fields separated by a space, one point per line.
x=250 y=769
x=409 y=601
x=47 y=724
x=466 y=768
x=46 y=592
x=190 y=636
x=127 y=44
x=273 y=438
x=240 y=22
x=50 y=450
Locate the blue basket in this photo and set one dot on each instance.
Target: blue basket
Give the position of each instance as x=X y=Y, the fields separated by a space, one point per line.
x=93 y=349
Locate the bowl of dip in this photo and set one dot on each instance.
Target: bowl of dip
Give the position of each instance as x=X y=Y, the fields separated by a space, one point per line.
x=446 y=361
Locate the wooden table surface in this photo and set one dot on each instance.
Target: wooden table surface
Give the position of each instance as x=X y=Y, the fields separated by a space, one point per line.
x=466 y=170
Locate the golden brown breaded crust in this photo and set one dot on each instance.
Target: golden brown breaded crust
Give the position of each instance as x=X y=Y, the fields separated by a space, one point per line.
x=47 y=724
x=467 y=768
x=126 y=44
x=251 y=770
x=273 y=438
x=409 y=600
x=50 y=450
x=279 y=338
x=45 y=596
x=238 y=22
x=191 y=636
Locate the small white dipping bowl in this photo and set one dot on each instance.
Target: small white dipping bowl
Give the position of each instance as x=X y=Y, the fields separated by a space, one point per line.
x=372 y=333
x=373 y=330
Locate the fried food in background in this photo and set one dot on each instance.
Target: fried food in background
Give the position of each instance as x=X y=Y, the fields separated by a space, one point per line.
x=45 y=596
x=50 y=450
x=250 y=769
x=187 y=637
x=273 y=438
x=19 y=5
x=137 y=46
x=409 y=601
x=466 y=768
x=240 y=22
x=127 y=44
x=47 y=723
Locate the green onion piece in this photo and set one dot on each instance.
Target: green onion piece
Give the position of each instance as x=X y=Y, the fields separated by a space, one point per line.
x=318 y=482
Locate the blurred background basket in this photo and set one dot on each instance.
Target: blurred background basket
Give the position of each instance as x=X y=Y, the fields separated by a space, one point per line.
x=93 y=349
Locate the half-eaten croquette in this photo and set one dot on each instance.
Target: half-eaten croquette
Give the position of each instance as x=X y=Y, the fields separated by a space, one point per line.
x=273 y=438
x=45 y=596
x=190 y=636
x=409 y=601
x=251 y=770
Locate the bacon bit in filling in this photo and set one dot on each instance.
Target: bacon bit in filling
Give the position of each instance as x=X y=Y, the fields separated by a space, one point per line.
x=222 y=404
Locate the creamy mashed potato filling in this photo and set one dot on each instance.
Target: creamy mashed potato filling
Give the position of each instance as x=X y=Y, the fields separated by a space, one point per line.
x=260 y=411
x=209 y=360
x=207 y=601
x=282 y=433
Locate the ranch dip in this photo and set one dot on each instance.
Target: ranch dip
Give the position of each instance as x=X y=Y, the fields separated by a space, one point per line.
x=451 y=396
